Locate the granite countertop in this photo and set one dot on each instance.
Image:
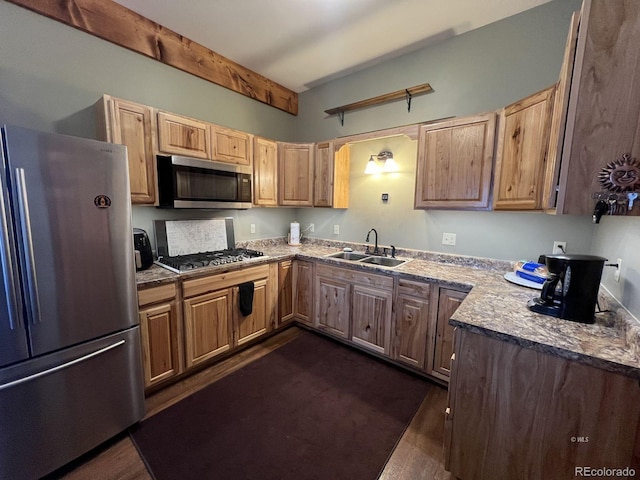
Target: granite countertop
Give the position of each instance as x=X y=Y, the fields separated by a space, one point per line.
x=493 y=307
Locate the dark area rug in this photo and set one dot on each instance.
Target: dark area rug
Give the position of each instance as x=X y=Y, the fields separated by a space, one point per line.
x=312 y=409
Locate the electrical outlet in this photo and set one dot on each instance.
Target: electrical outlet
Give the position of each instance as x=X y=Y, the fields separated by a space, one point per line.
x=448 y=238
x=559 y=247
x=336 y=229
x=253 y=228
x=616 y=274
x=312 y=228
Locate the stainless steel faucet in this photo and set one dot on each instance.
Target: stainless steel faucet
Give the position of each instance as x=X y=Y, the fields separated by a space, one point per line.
x=375 y=249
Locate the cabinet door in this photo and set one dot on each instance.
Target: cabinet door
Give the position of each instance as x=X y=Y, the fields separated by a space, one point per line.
x=559 y=118
x=455 y=161
x=231 y=146
x=603 y=116
x=208 y=329
x=265 y=172
x=522 y=147
x=295 y=174
x=251 y=326
x=183 y=136
x=411 y=323
x=332 y=305
x=285 y=291
x=159 y=333
x=133 y=125
x=323 y=178
x=371 y=318
x=331 y=177
x=303 y=291
x=529 y=406
x=448 y=302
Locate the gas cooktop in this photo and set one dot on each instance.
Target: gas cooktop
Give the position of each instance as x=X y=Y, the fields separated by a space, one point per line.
x=183 y=263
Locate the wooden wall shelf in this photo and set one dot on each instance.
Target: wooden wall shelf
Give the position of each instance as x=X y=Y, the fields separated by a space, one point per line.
x=407 y=93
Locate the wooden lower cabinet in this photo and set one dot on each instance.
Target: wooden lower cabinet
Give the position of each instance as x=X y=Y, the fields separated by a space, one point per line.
x=442 y=339
x=518 y=413
x=160 y=332
x=411 y=323
x=303 y=291
x=371 y=318
x=208 y=329
x=249 y=327
x=213 y=321
x=285 y=292
x=354 y=305
x=332 y=304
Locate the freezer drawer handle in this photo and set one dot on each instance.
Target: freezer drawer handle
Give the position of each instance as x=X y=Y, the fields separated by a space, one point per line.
x=63 y=366
x=25 y=222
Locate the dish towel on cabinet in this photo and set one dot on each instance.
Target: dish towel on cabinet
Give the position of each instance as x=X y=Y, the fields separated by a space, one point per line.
x=246 y=298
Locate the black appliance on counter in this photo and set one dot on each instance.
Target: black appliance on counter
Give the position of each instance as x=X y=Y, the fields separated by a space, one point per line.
x=570 y=290
x=142 y=246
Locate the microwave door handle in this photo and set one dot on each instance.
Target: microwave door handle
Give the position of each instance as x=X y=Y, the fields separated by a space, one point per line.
x=8 y=272
x=27 y=240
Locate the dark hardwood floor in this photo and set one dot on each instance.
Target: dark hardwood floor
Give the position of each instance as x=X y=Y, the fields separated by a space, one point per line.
x=418 y=454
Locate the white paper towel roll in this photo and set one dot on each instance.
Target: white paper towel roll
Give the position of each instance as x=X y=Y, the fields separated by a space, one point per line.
x=294 y=234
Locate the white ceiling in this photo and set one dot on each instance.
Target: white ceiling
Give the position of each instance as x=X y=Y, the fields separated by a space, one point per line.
x=303 y=43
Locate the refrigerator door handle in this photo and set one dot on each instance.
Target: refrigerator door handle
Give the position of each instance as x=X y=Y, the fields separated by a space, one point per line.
x=25 y=224
x=62 y=366
x=8 y=272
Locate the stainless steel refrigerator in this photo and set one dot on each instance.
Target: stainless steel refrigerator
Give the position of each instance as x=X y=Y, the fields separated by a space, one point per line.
x=70 y=366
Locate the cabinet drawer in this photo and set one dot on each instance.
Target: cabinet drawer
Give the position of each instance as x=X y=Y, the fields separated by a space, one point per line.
x=414 y=289
x=198 y=286
x=355 y=276
x=156 y=294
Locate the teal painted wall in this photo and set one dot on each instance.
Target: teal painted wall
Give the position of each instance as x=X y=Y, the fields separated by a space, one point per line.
x=51 y=75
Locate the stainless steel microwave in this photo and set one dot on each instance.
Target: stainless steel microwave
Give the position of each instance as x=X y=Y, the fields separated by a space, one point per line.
x=185 y=182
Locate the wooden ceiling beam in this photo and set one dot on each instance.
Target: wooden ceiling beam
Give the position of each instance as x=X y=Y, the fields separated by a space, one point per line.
x=117 y=24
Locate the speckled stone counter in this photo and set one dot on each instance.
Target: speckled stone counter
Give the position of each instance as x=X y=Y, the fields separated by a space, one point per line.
x=493 y=307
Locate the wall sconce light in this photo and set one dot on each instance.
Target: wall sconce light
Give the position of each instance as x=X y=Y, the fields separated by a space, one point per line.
x=381 y=163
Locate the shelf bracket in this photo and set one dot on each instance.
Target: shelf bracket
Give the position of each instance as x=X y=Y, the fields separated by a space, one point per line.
x=406 y=93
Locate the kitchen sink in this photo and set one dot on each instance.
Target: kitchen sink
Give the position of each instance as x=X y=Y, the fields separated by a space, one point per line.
x=349 y=256
x=366 y=258
x=383 y=261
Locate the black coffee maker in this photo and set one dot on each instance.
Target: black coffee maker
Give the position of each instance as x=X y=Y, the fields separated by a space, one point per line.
x=570 y=290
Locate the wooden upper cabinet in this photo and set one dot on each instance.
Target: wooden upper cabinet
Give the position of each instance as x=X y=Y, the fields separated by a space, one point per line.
x=131 y=124
x=295 y=174
x=455 y=160
x=331 y=179
x=559 y=118
x=179 y=135
x=603 y=116
x=231 y=146
x=523 y=137
x=265 y=172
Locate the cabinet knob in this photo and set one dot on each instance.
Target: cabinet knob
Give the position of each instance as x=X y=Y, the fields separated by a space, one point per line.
x=453 y=356
x=448 y=411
